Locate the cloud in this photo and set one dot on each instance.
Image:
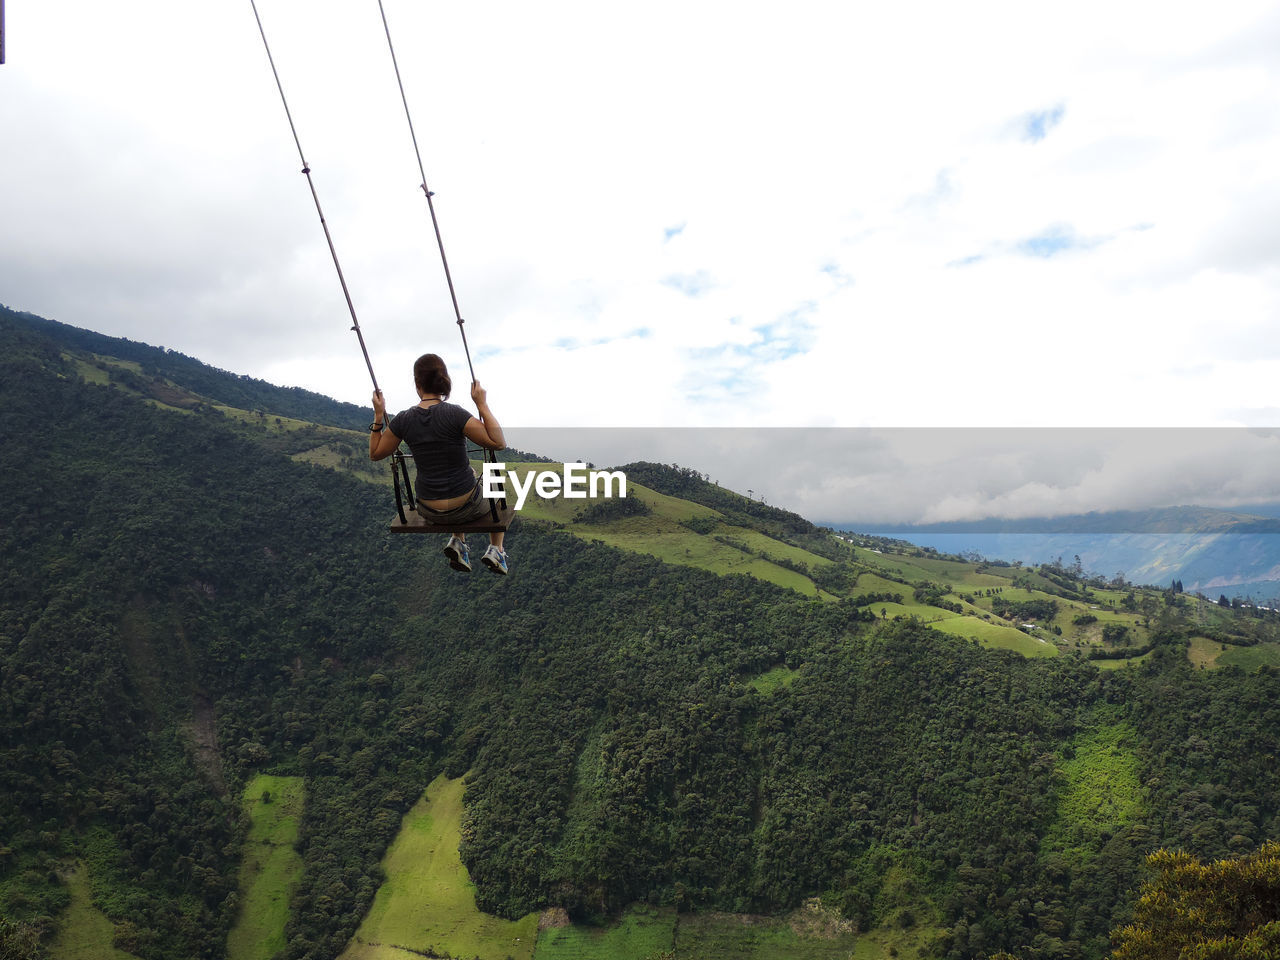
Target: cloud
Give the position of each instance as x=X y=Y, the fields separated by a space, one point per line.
x=1035 y=126
x=690 y=284
x=1052 y=241
x=872 y=476
x=584 y=195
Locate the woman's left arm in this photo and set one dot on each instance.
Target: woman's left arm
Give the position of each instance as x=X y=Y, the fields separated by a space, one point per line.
x=486 y=431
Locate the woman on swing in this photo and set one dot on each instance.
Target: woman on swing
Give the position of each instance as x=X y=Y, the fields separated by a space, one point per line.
x=448 y=490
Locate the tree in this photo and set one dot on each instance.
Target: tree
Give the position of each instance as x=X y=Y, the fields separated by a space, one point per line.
x=20 y=941
x=1219 y=910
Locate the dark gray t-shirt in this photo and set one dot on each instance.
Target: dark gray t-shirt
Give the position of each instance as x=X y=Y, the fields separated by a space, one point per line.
x=435 y=437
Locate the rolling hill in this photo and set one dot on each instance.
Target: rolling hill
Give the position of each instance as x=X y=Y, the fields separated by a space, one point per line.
x=687 y=724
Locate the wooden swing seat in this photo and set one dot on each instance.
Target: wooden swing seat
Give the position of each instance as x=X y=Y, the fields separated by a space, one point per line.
x=414 y=522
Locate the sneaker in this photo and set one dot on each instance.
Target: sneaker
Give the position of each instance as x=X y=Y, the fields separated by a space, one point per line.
x=495 y=560
x=459 y=556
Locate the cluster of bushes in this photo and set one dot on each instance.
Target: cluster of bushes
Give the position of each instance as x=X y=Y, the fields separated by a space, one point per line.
x=1024 y=609
x=607 y=509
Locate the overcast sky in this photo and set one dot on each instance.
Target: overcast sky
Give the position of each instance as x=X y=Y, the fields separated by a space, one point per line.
x=865 y=476
x=703 y=214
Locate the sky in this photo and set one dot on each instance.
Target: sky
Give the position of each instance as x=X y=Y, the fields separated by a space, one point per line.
x=864 y=477
x=699 y=214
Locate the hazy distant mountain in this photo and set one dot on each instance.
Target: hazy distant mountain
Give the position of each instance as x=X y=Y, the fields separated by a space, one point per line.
x=1208 y=550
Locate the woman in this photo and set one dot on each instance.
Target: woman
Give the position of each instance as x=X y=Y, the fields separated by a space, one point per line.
x=447 y=488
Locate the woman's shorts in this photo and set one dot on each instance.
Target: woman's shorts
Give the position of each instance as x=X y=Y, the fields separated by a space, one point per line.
x=473 y=511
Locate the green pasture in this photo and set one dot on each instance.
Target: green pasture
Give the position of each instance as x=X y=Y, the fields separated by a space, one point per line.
x=873 y=583
x=773 y=680
x=271 y=867
x=273 y=422
x=997 y=635
x=807 y=933
x=1020 y=595
x=910 y=568
x=325 y=455
x=562 y=510
x=131 y=365
x=427 y=906
x=962 y=576
x=672 y=543
x=774 y=549
x=1208 y=654
x=720 y=936
x=1110 y=598
x=660 y=534
x=586 y=799
x=1120 y=664
x=1251 y=658
x=88 y=372
x=890 y=611
x=1203 y=652
x=671 y=507
x=1101 y=790
x=802 y=935
x=869 y=583
x=84 y=933
x=641 y=933
x=1090 y=635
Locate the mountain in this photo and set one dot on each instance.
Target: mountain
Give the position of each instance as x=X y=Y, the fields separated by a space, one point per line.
x=688 y=723
x=1207 y=550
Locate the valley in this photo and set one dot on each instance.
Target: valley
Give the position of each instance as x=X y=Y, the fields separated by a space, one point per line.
x=241 y=719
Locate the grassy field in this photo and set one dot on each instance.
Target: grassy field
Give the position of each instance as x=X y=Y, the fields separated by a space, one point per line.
x=1251 y=658
x=271 y=867
x=766 y=683
x=427 y=904
x=869 y=583
x=641 y=933
x=672 y=543
x=806 y=934
x=716 y=936
x=83 y=932
x=1203 y=652
x=809 y=933
x=1120 y=664
x=873 y=583
x=88 y=372
x=1101 y=790
x=660 y=534
x=999 y=635
x=962 y=576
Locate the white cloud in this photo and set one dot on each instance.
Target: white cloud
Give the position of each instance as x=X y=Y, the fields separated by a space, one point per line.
x=836 y=159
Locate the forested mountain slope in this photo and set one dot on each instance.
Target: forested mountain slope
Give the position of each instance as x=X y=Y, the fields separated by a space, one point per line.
x=186 y=602
x=210 y=383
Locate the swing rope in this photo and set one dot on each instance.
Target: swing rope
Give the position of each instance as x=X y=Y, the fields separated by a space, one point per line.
x=490 y=456
x=306 y=169
x=398 y=459
x=435 y=222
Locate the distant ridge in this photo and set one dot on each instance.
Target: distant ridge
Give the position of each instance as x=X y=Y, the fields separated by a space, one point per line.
x=1180 y=519
x=1206 y=549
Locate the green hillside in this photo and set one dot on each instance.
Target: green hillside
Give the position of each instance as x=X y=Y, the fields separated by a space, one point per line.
x=688 y=721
